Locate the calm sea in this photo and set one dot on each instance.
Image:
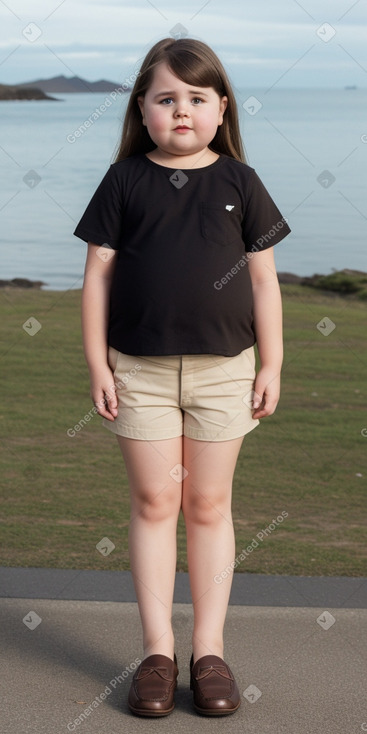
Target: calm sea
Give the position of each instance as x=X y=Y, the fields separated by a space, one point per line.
x=308 y=146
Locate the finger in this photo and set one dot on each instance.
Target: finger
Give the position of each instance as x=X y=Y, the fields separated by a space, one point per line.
x=266 y=408
x=111 y=399
x=261 y=413
x=103 y=410
x=257 y=398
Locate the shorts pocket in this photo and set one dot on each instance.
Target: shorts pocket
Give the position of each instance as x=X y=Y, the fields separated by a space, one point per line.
x=220 y=222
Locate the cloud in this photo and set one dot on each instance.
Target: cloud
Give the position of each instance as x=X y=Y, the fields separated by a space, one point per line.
x=109 y=38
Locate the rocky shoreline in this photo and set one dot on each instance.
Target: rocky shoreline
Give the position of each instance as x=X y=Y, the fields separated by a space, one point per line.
x=21 y=283
x=40 y=89
x=15 y=92
x=345 y=281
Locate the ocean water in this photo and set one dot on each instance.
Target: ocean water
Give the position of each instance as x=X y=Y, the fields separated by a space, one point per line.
x=308 y=146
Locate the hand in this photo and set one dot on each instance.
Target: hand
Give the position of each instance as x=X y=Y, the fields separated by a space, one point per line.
x=266 y=392
x=103 y=392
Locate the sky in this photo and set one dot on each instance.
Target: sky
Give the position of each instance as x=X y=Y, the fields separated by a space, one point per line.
x=291 y=44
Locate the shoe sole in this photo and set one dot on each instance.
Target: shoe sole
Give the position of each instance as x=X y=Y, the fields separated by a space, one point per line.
x=154 y=714
x=216 y=712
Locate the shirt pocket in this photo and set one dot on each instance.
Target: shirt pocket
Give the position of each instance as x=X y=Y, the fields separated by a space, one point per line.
x=220 y=223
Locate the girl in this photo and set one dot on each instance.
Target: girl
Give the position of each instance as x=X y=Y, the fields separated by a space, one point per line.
x=179 y=284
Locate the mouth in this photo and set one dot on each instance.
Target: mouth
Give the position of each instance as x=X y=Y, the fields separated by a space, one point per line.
x=182 y=127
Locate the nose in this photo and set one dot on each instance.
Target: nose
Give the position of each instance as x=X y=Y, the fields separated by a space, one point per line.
x=181 y=110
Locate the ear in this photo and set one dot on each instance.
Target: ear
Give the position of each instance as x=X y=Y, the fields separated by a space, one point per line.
x=222 y=108
x=140 y=101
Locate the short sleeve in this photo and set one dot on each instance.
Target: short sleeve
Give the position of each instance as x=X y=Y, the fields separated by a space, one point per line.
x=102 y=219
x=263 y=225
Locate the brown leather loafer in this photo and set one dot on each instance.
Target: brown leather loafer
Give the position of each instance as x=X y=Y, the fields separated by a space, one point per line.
x=215 y=689
x=153 y=685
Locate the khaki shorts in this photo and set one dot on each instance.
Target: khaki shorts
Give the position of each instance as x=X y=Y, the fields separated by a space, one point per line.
x=202 y=396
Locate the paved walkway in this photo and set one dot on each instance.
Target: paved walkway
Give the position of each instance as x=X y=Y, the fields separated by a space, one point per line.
x=71 y=640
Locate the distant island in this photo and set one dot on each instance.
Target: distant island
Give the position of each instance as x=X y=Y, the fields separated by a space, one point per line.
x=342 y=282
x=11 y=92
x=41 y=88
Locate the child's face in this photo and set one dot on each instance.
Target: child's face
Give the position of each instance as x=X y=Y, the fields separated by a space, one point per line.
x=169 y=102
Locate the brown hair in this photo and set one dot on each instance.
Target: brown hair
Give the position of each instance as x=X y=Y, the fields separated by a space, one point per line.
x=194 y=63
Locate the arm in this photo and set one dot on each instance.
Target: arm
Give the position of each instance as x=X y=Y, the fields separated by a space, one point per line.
x=95 y=308
x=269 y=331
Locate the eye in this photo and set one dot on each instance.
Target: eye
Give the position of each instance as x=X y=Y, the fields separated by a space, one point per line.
x=166 y=100
x=197 y=100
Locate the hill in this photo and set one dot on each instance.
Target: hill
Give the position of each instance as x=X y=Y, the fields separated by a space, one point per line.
x=74 y=84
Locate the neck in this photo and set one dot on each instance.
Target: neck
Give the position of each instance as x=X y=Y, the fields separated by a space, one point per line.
x=196 y=160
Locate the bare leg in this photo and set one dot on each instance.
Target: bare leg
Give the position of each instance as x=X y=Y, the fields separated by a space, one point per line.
x=206 y=505
x=155 y=507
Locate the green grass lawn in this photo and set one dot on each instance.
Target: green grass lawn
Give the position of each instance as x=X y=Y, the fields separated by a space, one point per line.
x=63 y=494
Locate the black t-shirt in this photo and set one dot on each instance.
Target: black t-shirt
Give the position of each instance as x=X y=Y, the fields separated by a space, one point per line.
x=181 y=283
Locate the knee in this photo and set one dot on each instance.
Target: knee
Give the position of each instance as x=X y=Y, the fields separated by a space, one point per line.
x=210 y=508
x=155 y=503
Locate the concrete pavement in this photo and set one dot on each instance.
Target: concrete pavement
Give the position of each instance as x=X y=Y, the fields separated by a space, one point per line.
x=297 y=647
